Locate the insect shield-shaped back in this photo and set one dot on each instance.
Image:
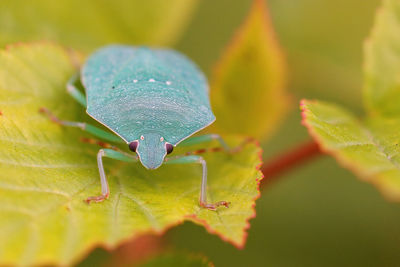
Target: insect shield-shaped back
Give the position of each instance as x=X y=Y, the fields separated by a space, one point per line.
x=136 y=90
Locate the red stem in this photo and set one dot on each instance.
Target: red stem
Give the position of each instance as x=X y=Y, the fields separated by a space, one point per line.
x=288 y=160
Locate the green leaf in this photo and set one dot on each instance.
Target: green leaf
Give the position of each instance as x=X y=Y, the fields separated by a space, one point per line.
x=247 y=88
x=89 y=24
x=46 y=173
x=368 y=147
x=176 y=259
x=382 y=62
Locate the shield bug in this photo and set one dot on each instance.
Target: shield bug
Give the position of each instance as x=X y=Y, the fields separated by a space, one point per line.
x=150 y=99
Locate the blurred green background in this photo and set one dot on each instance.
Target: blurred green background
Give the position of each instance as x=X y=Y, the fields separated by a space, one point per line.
x=319 y=214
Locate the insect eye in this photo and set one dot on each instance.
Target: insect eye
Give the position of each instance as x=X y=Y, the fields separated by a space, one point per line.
x=169 y=148
x=133 y=146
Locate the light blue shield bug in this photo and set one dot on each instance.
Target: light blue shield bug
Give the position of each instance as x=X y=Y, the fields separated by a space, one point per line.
x=151 y=99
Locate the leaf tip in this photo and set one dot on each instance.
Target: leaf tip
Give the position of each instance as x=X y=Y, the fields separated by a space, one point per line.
x=240 y=242
x=251 y=76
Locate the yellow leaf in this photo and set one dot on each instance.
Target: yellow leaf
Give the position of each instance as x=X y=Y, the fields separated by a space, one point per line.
x=46 y=173
x=247 y=93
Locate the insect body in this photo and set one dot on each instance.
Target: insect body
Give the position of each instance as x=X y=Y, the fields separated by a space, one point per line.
x=151 y=99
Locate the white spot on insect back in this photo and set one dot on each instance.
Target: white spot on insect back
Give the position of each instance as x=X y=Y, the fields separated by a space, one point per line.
x=135 y=81
x=168 y=82
x=152 y=80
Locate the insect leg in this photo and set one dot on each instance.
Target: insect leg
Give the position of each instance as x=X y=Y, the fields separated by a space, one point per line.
x=75 y=92
x=109 y=153
x=203 y=190
x=205 y=138
x=82 y=125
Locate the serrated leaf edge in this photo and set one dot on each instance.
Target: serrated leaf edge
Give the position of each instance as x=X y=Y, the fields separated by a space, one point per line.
x=372 y=179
